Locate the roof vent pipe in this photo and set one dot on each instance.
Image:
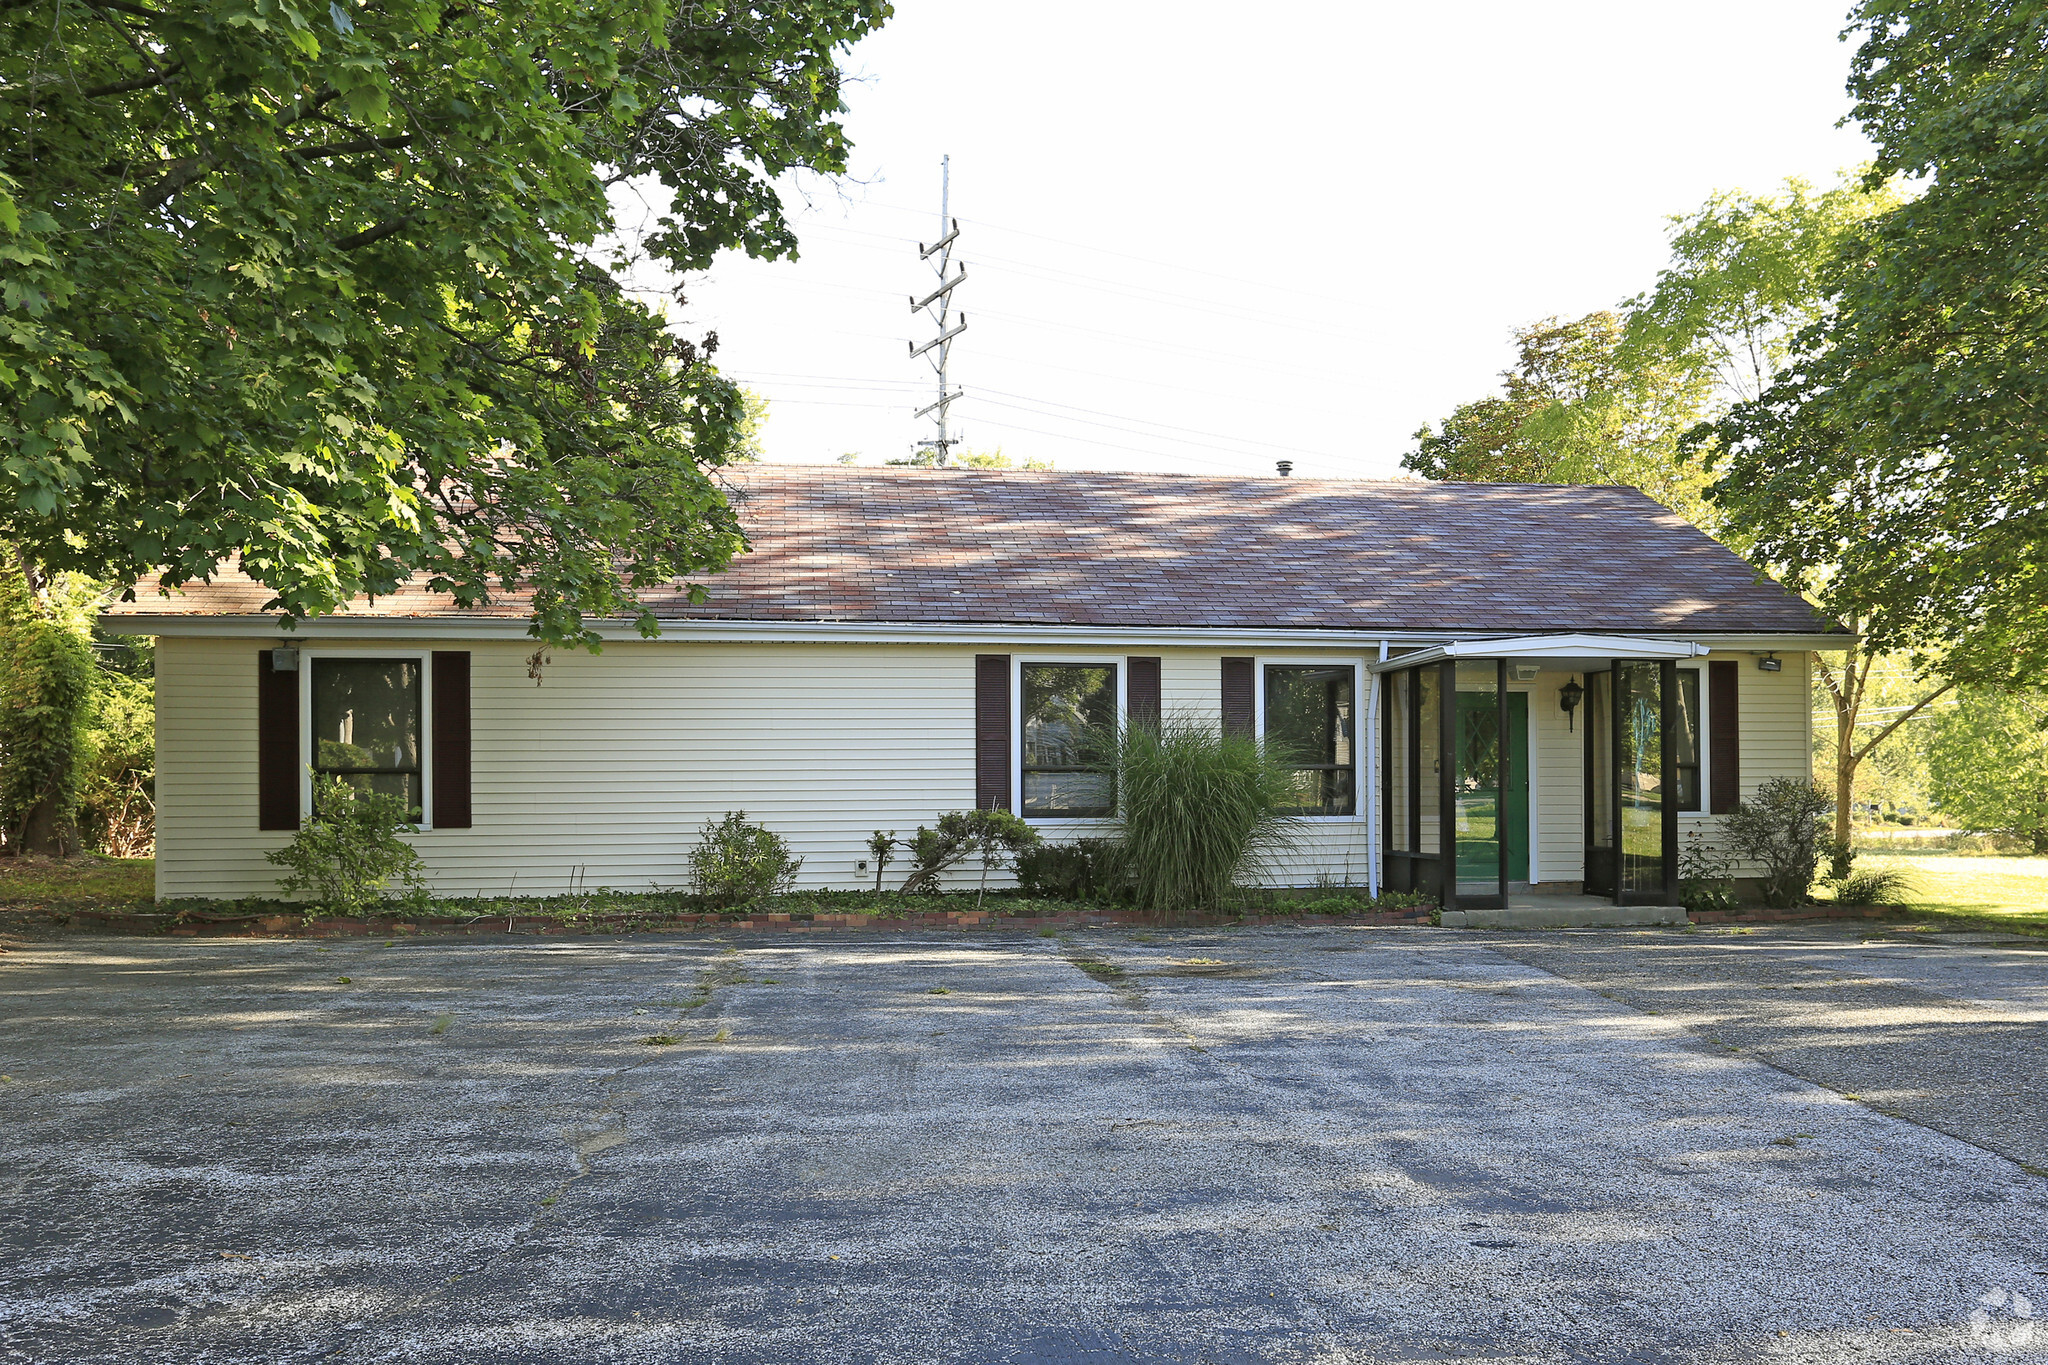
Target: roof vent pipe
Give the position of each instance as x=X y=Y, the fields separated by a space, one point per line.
x=1285 y=467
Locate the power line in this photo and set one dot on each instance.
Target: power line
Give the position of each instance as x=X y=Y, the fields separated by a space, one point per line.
x=1133 y=290
x=1043 y=407
x=1125 y=255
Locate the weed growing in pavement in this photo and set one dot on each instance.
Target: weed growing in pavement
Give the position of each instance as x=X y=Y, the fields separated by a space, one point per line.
x=939 y=990
x=441 y=1023
x=661 y=1040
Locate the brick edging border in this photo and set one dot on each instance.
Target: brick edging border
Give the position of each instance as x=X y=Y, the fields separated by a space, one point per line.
x=295 y=926
x=1798 y=914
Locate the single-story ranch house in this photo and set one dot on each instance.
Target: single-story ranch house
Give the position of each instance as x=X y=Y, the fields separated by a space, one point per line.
x=1487 y=690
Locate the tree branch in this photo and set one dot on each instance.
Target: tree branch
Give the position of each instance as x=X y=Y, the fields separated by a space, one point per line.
x=367 y=144
x=377 y=233
x=1917 y=708
x=183 y=172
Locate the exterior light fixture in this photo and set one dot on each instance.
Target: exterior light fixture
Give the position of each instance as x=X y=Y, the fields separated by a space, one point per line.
x=1568 y=698
x=1771 y=663
x=284 y=659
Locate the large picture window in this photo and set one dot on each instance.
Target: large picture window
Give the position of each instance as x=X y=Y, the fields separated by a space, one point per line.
x=1687 y=740
x=1309 y=725
x=1069 y=715
x=366 y=725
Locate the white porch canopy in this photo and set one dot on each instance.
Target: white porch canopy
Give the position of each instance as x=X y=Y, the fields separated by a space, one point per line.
x=1572 y=649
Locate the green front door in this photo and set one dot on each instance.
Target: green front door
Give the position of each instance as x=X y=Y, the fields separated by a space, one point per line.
x=1479 y=811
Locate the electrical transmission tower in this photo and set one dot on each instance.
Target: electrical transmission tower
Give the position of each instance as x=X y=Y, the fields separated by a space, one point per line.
x=938 y=305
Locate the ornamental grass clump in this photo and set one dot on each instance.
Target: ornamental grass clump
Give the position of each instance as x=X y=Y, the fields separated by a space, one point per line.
x=1198 y=812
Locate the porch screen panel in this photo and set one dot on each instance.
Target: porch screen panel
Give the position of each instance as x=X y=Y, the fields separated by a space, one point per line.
x=1394 y=761
x=1600 y=760
x=1429 y=754
x=1639 y=698
x=1477 y=779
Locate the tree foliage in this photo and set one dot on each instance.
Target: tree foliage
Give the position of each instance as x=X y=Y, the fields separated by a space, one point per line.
x=1747 y=274
x=1987 y=762
x=1897 y=464
x=334 y=289
x=1576 y=407
x=46 y=694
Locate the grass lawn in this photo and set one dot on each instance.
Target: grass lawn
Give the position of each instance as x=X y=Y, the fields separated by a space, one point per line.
x=1985 y=889
x=91 y=880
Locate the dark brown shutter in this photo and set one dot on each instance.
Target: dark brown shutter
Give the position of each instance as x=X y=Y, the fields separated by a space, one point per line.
x=1724 y=737
x=1237 y=697
x=1141 y=691
x=451 y=739
x=277 y=745
x=992 y=731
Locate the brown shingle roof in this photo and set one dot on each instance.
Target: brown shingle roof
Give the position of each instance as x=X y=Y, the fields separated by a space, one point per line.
x=833 y=543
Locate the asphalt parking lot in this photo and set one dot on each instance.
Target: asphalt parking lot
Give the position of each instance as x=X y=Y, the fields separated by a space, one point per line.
x=1277 y=1145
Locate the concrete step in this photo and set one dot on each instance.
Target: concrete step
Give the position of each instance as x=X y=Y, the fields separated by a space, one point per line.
x=1575 y=915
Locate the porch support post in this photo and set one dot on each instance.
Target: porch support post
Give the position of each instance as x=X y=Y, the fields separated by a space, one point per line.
x=1500 y=773
x=1667 y=807
x=1369 y=732
x=1447 y=785
x=1613 y=775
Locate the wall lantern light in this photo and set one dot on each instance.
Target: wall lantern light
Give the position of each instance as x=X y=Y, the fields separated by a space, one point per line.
x=1770 y=663
x=284 y=659
x=1568 y=698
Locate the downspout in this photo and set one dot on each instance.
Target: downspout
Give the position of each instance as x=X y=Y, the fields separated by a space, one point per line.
x=1372 y=777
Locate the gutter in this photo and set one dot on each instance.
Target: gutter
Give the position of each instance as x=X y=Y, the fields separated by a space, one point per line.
x=346 y=628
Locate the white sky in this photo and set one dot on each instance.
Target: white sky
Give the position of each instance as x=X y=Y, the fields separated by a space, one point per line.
x=1201 y=238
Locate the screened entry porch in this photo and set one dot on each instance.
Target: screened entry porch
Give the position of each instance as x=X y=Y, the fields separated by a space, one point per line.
x=1454 y=753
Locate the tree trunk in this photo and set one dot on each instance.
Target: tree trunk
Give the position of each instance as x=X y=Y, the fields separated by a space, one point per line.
x=1846 y=761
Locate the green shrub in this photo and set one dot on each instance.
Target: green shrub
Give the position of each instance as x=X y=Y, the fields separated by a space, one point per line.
x=1703 y=880
x=1085 y=870
x=349 y=852
x=1199 y=811
x=1779 y=828
x=735 y=863
x=996 y=835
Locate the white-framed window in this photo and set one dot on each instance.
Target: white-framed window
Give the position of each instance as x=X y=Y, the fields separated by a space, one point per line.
x=1308 y=714
x=363 y=717
x=1068 y=709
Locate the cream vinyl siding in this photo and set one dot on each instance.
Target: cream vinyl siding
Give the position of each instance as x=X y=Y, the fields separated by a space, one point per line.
x=604 y=773
x=606 y=770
